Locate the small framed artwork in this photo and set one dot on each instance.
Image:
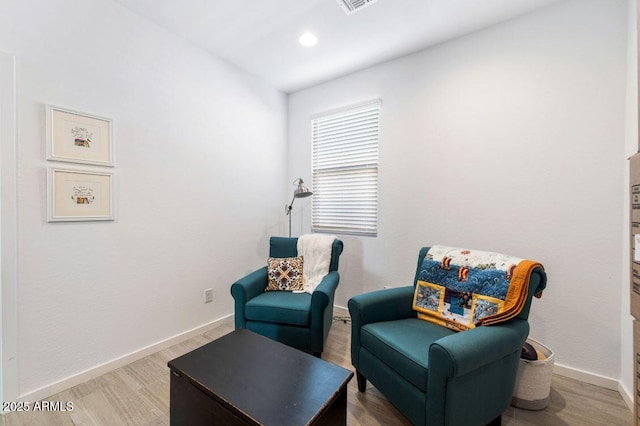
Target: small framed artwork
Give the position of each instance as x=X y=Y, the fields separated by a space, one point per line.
x=78 y=195
x=77 y=137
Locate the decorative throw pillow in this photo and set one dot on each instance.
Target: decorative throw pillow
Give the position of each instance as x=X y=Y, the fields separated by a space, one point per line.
x=285 y=274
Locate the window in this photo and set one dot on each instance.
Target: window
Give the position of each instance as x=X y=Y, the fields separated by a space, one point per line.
x=345 y=171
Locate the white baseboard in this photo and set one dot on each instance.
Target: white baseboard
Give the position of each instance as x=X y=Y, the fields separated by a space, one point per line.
x=595 y=379
x=626 y=395
x=342 y=308
x=585 y=376
x=92 y=373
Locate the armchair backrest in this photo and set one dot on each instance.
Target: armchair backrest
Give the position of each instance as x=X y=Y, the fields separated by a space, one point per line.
x=421 y=255
x=288 y=247
x=537 y=283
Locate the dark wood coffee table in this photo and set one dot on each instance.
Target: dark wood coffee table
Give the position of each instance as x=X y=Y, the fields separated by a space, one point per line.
x=243 y=378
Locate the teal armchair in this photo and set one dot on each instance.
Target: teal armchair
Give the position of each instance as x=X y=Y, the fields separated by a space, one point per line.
x=434 y=375
x=300 y=320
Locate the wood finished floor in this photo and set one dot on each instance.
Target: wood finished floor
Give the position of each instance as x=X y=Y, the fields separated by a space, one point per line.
x=138 y=394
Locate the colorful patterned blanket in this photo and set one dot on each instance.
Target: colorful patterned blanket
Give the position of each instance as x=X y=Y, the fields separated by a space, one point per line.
x=462 y=288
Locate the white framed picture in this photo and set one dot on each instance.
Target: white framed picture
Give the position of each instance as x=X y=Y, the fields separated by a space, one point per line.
x=79 y=195
x=78 y=137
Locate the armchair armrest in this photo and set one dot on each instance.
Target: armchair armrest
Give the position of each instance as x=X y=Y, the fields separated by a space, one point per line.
x=460 y=353
x=486 y=354
x=322 y=309
x=323 y=294
x=245 y=289
x=382 y=305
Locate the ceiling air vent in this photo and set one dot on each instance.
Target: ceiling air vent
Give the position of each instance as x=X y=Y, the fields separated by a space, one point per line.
x=351 y=6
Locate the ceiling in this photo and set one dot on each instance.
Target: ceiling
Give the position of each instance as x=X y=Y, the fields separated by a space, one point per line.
x=261 y=36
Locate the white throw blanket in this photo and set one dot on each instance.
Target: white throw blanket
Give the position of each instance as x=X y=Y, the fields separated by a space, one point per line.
x=316 y=251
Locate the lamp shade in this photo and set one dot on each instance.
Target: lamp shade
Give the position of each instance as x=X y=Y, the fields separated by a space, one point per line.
x=301 y=191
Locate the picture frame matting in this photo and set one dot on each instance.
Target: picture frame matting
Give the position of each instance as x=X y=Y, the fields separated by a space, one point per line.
x=79 y=195
x=78 y=137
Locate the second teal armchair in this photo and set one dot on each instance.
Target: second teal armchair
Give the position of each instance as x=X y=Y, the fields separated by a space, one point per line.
x=300 y=320
x=432 y=374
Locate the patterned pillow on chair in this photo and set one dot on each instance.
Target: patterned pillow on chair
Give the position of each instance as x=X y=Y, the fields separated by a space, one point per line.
x=285 y=274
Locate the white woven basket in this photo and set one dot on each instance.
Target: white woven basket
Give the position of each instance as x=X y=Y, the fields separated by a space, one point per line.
x=533 y=381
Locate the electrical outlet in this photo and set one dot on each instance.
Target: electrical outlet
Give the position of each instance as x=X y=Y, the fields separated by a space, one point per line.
x=208 y=295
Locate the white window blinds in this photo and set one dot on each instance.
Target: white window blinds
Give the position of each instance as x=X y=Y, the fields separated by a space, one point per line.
x=345 y=171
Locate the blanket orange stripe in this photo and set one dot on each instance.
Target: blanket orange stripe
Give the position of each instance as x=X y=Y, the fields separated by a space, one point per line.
x=516 y=295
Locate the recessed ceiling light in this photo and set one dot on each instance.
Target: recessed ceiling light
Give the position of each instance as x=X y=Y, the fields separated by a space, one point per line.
x=308 y=39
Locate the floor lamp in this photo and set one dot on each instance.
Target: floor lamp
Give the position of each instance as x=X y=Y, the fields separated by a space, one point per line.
x=300 y=192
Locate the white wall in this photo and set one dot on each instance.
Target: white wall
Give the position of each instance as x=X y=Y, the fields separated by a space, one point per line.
x=8 y=314
x=200 y=150
x=630 y=147
x=511 y=140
